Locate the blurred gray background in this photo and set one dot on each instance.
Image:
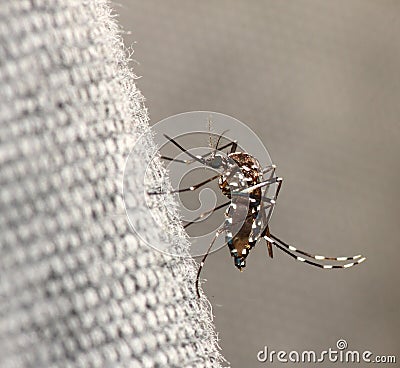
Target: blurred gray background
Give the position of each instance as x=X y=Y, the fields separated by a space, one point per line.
x=319 y=82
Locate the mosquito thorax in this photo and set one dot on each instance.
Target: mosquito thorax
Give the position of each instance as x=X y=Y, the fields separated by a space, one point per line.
x=249 y=167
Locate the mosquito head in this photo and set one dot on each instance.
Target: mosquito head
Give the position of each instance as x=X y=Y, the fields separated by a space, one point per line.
x=216 y=161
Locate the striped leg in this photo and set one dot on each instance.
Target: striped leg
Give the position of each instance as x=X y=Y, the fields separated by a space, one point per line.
x=269 y=168
x=206 y=213
x=262 y=184
x=269 y=244
x=291 y=250
x=233 y=148
x=219 y=231
x=265 y=218
x=195 y=158
x=192 y=188
x=271 y=204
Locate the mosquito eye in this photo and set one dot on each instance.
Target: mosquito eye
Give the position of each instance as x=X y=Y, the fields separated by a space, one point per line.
x=216 y=162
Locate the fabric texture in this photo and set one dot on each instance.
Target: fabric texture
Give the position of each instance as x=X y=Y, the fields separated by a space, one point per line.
x=78 y=288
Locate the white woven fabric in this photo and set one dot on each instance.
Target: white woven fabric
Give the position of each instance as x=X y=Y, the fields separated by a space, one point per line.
x=77 y=286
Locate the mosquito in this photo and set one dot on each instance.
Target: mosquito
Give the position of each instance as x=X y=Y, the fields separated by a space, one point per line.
x=244 y=182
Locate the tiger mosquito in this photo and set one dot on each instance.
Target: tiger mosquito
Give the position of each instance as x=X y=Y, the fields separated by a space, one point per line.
x=248 y=210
